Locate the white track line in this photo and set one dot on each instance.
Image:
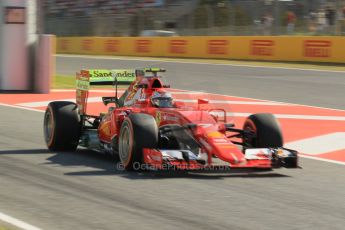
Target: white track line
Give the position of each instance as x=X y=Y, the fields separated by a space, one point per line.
x=289 y=116
x=45 y=103
x=327 y=143
x=17 y=223
x=322 y=159
x=20 y=107
x=250 y=98
x=231 y=102
x=296 y=116
x=41 y=103
x=148 y=59
x=182 y=91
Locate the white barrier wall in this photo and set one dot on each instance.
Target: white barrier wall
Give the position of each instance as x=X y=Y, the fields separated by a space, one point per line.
x=45 y=63
x=13 y=45
x=32 y=21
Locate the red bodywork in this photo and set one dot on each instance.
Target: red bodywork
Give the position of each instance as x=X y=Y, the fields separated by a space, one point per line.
x=208 y=131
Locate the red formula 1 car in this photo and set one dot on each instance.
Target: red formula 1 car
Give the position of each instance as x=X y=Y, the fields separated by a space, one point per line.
x=145 y=128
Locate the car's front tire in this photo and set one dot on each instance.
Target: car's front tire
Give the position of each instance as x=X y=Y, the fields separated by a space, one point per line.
x=266 y=130
x=137 y=131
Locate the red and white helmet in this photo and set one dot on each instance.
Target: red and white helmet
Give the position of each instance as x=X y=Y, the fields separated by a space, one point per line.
x=162 y=99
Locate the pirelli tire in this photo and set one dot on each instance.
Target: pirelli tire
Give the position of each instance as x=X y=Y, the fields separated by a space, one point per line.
x=137 y=131
x=62 y=126
x=266 y=130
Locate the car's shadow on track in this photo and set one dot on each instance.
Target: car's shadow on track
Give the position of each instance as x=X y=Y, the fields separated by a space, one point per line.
x=97 y=164
x=110 y=166
x=203 y=175
x=24 y=151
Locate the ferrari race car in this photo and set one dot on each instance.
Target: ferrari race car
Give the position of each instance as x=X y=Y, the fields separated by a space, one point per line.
x=146 y=128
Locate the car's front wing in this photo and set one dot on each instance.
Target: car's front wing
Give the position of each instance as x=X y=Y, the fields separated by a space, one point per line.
x=261 y=158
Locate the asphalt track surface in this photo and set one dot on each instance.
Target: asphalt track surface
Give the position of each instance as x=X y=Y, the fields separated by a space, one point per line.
x=84 y=190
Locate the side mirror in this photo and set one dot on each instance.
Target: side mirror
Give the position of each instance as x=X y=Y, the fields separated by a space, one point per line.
x=223 y=127
x=203 y=104
x=203 y=101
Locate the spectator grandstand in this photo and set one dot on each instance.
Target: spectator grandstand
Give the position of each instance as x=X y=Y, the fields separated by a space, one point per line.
x=113 y=17
x=193 y=17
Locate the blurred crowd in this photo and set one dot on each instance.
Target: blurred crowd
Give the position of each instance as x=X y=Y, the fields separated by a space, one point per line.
x=325 y=20
x=67 y=8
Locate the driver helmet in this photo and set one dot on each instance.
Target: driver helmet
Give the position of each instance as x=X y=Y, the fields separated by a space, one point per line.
x=162 y=99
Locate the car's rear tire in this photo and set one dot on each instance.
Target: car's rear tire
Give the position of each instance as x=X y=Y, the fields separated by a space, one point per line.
x=137 y=131
x=266 y=129
x=62 y=126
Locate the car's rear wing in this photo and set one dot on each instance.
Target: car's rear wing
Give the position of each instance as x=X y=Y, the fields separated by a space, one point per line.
x=150 y=72
x=99 y=77
x=107 y=77
x=111 y=77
